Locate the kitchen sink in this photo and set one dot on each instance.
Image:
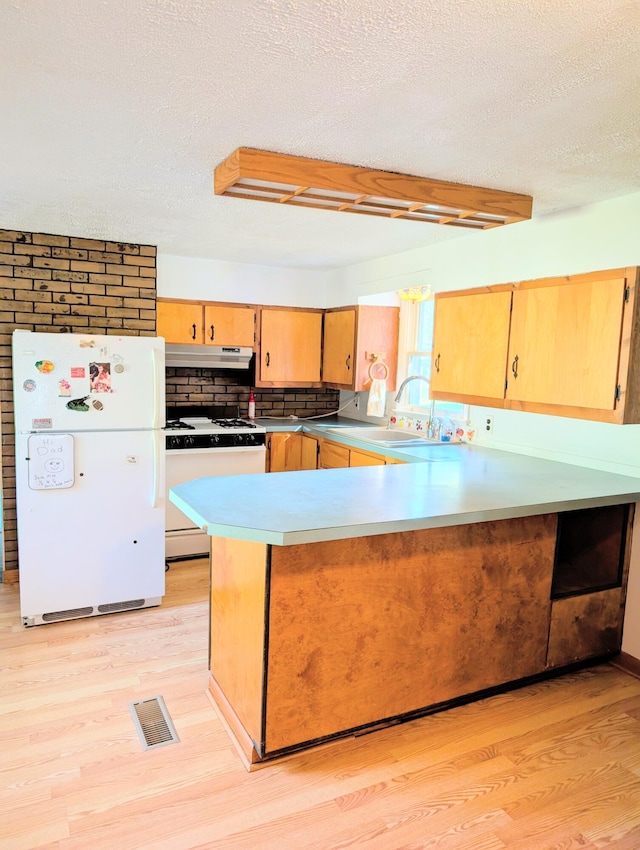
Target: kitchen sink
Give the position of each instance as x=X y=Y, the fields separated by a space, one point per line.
x=386 y=437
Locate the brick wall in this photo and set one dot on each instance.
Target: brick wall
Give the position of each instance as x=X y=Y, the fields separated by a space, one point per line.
x=64 y=284
x=230 y=389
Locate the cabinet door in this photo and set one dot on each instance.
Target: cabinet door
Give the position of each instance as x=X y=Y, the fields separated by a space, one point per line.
x=565 y=343
x=309 y=453
x=338 y=358
x=363 y=459
x=470 y=342
x=290 y=346
x=229 y=325
x=332 y=455
x=284 y=452
x=180 y=322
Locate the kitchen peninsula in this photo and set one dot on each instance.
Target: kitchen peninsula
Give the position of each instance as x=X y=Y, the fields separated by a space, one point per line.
x=344 y=599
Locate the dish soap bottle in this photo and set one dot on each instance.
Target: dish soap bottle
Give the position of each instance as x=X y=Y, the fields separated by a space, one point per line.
x=252 y=405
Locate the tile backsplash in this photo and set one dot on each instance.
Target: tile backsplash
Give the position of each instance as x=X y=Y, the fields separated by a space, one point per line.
x=231 y=389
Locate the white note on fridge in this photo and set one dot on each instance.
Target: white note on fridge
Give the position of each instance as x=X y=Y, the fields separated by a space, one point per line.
x=50 y=461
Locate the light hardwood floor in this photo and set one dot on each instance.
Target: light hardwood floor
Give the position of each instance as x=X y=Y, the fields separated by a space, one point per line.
x=553 y=766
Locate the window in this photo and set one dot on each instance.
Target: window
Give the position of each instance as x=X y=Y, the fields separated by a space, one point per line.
x=418 y=333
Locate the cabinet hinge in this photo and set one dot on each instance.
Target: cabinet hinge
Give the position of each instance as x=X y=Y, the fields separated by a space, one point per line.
x=618 y=393
x=506 y=384
x=627 y=294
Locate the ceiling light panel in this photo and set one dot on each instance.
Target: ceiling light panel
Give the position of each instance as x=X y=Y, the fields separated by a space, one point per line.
x=299 y=181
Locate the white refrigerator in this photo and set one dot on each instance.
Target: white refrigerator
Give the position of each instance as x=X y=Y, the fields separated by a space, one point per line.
x=89 y=413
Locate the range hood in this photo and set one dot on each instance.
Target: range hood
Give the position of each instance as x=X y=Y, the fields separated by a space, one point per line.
x=208 y=356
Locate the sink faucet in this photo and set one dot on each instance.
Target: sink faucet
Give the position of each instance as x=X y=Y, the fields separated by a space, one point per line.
x=406 y=381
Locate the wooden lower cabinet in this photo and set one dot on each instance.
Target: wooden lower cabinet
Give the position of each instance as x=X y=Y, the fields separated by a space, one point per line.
x=316 y=641
x=284 y=451
x=332 y=455
x=585 y=626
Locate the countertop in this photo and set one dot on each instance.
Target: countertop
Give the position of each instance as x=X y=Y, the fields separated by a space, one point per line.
x=449 y=485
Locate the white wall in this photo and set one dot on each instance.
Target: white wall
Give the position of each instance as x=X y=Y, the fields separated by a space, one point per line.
x=216 y=280
x=600 y=236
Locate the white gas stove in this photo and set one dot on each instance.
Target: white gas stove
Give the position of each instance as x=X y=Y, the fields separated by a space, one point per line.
x=203 y=442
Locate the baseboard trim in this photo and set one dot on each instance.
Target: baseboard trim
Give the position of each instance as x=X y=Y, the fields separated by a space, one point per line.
x=10 y=577
x=629 y=663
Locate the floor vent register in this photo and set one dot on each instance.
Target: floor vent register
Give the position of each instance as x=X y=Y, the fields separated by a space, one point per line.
x=153 y=723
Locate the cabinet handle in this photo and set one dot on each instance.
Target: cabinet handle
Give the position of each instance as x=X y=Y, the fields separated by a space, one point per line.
x=193 y=335
x=268 y=361
x=514 y=366
x=348 y=361
x=437 y=363
x=213 y=332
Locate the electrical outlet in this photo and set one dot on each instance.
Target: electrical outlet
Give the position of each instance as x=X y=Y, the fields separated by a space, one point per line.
x=356 y=400
x=488 y=424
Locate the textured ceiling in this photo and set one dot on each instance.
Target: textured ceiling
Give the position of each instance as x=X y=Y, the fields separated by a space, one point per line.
x=113 y=113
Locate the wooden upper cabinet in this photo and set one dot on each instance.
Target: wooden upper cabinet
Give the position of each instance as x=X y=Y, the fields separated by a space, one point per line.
x=180 y=321
x=338 y=360
x=290 y=347
x=226 y=325
x=192 y=322
x=470 y=343
x=565 y=343
x=351 y=335
x=573 y=346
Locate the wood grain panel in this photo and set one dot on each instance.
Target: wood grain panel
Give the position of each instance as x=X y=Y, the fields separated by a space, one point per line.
x=238 y=589
x=585 y=626
x=373 y=627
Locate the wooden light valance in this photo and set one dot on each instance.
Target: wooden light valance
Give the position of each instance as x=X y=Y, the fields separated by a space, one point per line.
x=302 y=182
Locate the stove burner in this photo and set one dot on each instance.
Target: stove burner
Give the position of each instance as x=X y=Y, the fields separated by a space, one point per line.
x=178 y=425
x=233 y=423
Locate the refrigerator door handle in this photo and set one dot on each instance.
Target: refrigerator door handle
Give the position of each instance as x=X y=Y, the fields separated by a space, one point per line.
x=157 y=465
x=157 y=378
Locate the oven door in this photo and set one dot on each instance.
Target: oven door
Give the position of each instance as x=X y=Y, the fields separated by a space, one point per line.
x=183 y=538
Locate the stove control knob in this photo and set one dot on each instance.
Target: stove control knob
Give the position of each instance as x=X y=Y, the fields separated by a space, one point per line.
x=188 y=441
x=174 y=442
x=215 y=439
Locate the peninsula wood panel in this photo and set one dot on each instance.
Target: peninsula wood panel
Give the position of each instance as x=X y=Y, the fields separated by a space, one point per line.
x=585 y=626
x=237 y=626
x=370 y=628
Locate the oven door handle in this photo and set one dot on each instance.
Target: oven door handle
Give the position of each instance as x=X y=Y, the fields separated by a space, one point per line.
x=215 y=449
